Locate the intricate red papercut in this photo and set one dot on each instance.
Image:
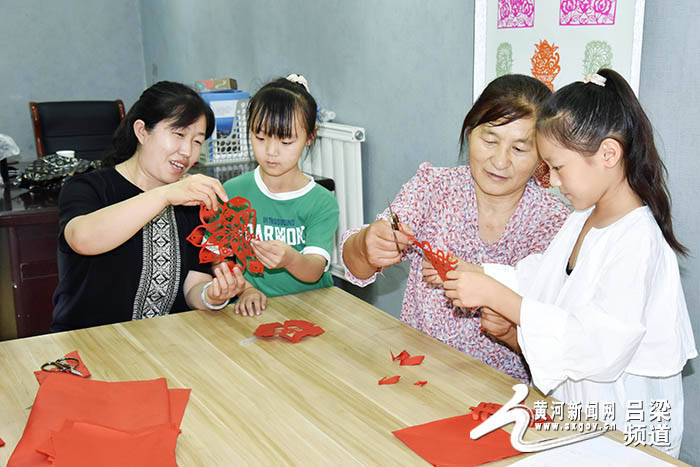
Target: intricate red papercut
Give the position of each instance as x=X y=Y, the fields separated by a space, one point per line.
x=387 y=380
x=485 y=409
x=227 y=227
x=545 y=63
x=420 y=383
x=406 y=359
x=441 y=261
x=293 y=330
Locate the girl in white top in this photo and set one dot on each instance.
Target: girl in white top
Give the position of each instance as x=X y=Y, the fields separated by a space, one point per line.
x=601 y=314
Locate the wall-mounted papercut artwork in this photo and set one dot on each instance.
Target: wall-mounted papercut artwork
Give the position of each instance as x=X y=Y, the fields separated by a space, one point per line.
x=598 y=55
x=587 y=12
x=516 y=13
x=504 y=59
x=581 y=37
x=545 y=63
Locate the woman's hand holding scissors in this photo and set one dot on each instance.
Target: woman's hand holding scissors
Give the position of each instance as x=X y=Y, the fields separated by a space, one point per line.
x=382 y=245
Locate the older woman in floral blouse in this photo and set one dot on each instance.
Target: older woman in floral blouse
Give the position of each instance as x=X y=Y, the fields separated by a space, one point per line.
x=489 y=211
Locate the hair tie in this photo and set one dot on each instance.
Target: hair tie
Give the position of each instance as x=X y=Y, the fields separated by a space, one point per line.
x=299 y=79
x=595 y=78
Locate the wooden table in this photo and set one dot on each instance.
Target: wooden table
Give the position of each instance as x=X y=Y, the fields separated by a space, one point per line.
x=271 y=402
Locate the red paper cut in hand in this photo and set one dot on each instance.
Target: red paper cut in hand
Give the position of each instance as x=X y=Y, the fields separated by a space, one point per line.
x=292 y=330
x=387 y=380
x=420 y=383
x=227 y=227
x=406 y=359
x=485 y=409
x=440 y=260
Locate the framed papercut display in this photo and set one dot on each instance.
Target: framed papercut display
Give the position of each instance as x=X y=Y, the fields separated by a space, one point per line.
x=557 y=41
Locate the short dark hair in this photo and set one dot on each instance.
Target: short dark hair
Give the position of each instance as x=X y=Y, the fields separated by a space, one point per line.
x=581 y=115
x=273 y=109
x=505 y=99
x=165 y=100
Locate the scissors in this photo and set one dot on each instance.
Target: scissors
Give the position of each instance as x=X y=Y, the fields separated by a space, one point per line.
x=63 y=364
x=394 y=227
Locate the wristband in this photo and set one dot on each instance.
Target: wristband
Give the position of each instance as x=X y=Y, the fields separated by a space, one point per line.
x=206 y=303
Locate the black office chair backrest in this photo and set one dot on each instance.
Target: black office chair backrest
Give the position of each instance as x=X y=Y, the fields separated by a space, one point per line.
x=83 y=126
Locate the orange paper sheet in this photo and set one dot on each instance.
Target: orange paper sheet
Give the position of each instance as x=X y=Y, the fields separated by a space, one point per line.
x=446 y=442
x=80 y=444
x=129 y=406
x=41 y=375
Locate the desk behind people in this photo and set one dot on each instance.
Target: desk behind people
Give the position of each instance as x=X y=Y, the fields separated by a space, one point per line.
x=269 y=401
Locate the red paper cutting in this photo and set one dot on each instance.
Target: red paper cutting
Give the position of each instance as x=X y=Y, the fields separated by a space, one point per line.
x=293 y=330
x=420 y=383
x=227 y=227
x=446 y=442
x=388 y=380
x=485 y=409
x=2 y=443
x=41 y=374
x=406 y=359
x=440 y=260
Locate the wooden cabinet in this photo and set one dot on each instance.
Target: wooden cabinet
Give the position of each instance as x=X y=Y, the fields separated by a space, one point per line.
x=31 y=226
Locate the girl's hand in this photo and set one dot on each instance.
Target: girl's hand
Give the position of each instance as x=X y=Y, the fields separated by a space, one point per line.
x=431 y=275
x=273 y=254
x=193 y=190
x=225 y=285
x=251 y=302
x=468 y=288
x=379 y=246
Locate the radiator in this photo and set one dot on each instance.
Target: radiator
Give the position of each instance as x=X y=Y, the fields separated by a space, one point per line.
x=337 y=154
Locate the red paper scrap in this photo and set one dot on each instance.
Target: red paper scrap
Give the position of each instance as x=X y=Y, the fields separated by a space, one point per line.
x=485 y=409
x=41 y=374
x=2 y=443
x=387 y=380
x=406 y=359
x=229 y=234
x=441 y=261
x=293 y=330
x=130 y=406
x=420 y=383
x=446 y=442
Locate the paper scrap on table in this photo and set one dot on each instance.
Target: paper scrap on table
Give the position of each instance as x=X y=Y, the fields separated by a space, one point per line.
x=389 y=380
x=420 y=383
x=406 y=359
x=293 y=330
x=131 y=407
x=42 y=374
x=596 y=451
x=446 y=442
x=2 y=443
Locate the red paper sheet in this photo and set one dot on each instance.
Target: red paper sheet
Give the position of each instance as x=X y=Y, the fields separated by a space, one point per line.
x=125 y=406
x=446 y=442
x=228 y=234
x=41 y=375
x=485 y=409
x=80 y=444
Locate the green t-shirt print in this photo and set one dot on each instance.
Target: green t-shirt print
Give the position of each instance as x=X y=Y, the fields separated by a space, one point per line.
x=305 y=219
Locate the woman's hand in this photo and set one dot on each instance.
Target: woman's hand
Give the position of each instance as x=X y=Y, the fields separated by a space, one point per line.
x=379 y=243
x=225 y=285
x=499 y=328
x=431 y=276
x=251 y=302
x=193 y=190
x=273 y=254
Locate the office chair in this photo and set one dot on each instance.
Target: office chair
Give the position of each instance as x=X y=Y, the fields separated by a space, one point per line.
x=83 y=126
